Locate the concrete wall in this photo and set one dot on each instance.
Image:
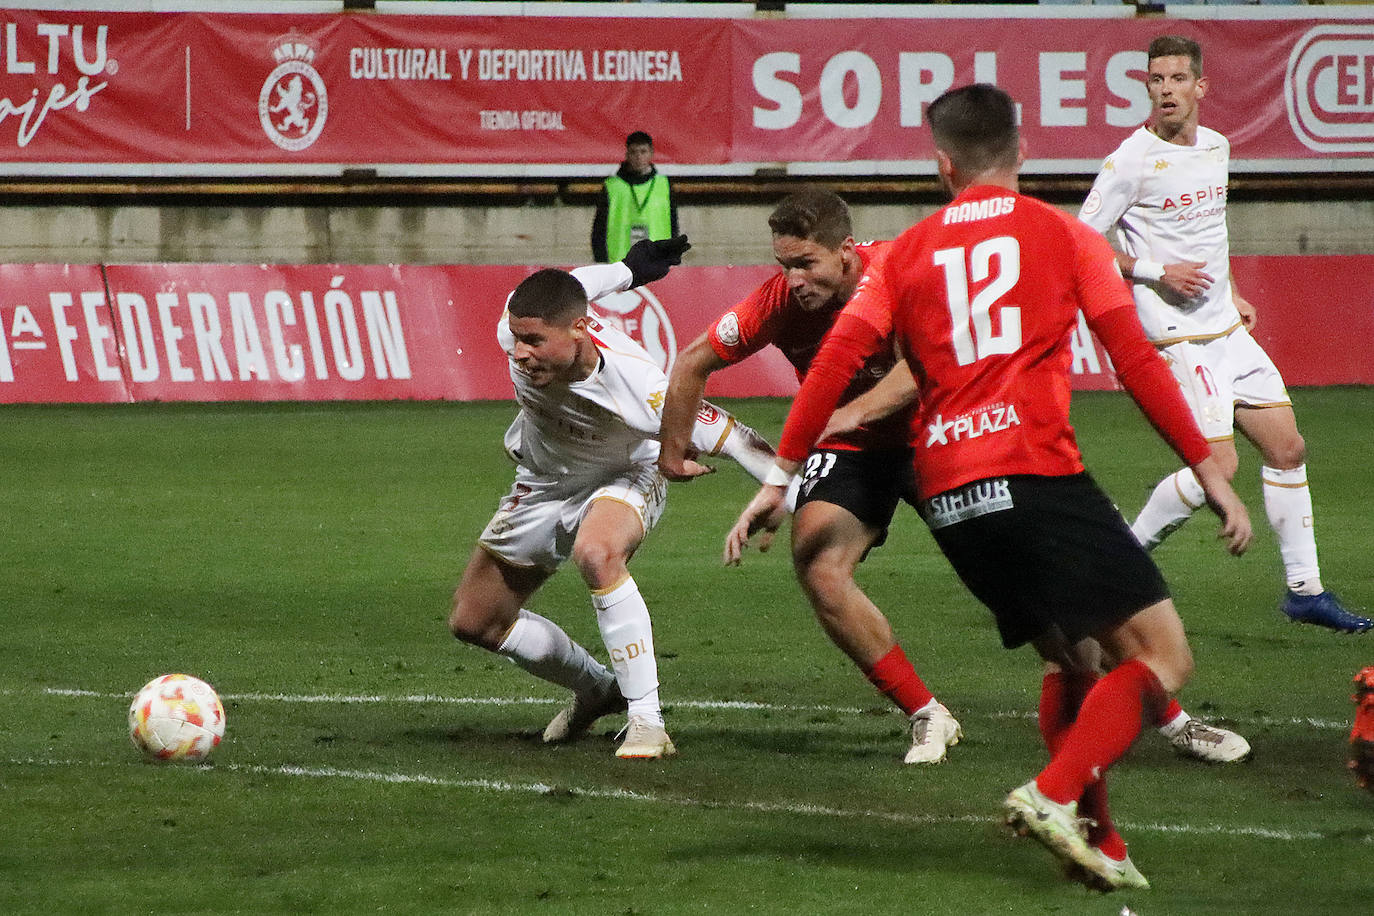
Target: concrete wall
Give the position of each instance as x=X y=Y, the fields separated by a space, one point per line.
x=531 y=233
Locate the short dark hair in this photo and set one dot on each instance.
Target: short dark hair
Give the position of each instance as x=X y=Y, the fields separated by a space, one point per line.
x=550 y=294
x=1177 y=46
x=815 y=214
x=976 y=126
x=637 y=137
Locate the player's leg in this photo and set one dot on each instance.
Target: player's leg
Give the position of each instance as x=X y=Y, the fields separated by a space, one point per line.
x=1209 y=395
x=828 y=543
x=488 y=611
x=516 y=553
x=610 y=530
x=1265 y=415
x=1288 y=505
x=1192 y=737
x=1107 y=723
x=1061 y=695
x=847 y=500
x=1053 y=560
x=1157 y=662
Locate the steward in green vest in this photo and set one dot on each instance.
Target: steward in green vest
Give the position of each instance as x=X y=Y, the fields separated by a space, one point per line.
x=636 y=203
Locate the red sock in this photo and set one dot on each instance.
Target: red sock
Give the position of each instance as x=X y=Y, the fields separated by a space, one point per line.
x=894 y=676
x=1101 y=832
x=1169 y=713
x=1053 y=721
x=1061 y=695
x=1107 y=723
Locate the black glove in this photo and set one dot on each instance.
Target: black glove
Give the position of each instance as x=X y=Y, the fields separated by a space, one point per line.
x=649 y=261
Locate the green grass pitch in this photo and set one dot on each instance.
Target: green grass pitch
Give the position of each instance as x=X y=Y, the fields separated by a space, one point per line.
x=301 y=559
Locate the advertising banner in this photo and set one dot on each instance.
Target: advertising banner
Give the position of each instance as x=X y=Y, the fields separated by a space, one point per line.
x=1280 y=90
x=320 y=332
x=1316 y=315
x=90 y=91
x=58 y=342
x=88 y=87
x=217 y=332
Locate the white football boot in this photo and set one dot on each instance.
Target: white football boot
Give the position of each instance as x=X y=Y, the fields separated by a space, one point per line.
x=1210 y=743
x=933 y=732
x=575 y=719
x=645 y=741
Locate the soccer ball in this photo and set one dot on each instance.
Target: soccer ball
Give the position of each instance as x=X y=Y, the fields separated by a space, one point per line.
x=176 y=717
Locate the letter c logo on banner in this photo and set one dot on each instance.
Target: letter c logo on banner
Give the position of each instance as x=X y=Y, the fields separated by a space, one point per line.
x=1329 y=89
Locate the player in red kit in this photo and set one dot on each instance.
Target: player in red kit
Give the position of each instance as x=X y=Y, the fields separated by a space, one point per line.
x=854 y=479
x=983 y=297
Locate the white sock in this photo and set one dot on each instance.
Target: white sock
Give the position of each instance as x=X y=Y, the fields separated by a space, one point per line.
x=624 y=621
x=1288 y=503
x=1172 y=503
x=1175 y=725
x=542 y=648
x=716 y=432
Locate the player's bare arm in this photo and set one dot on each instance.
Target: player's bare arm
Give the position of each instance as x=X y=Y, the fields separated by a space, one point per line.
x=896 y=390
x=764 y=513
x=1185 y=278
x=1249 y=315
x=1222 y=499
x=686 y=386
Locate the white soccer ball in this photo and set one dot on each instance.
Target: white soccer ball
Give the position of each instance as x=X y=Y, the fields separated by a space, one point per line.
x=176 y=717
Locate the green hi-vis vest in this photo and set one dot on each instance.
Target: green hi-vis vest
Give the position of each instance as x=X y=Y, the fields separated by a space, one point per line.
x=636 y=211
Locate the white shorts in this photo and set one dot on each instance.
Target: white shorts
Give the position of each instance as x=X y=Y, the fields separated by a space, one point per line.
x=1219 y=375
x=538 y=519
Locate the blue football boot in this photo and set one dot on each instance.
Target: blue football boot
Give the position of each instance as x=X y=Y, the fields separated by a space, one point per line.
x=1324 y=610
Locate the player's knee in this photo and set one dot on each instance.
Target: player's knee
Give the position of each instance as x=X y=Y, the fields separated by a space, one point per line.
x=1288 y=454
x=600 y=564
x=461 y=625
x=1173 y=669
x=469 y=624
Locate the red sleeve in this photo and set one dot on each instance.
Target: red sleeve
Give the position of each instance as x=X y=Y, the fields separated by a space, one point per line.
x=752 y=324
x=1143 y=373
x=1100 y=285
x=851 y=341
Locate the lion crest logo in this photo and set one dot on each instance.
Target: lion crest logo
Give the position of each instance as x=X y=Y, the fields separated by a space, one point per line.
x=293 y=103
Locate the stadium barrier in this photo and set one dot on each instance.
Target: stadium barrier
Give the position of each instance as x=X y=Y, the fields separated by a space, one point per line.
x=73 y=333
x=312 y=89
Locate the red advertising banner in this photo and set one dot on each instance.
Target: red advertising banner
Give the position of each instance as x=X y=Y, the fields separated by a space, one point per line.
x=58 y=342
x=214 y=332
x=211 y=332
x=93 y=91
x=112 y=87
x=1316 y=315
x=1280 y=90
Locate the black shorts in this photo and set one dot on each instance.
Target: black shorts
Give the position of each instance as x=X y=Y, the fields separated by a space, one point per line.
x=1044 y=552
x=868 y=484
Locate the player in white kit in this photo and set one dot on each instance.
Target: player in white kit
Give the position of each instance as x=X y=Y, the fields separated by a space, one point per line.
x=586 y=487
x=1163 y=194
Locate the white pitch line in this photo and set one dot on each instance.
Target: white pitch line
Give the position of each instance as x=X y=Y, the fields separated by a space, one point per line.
x=742 y=705
x=618 y=794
